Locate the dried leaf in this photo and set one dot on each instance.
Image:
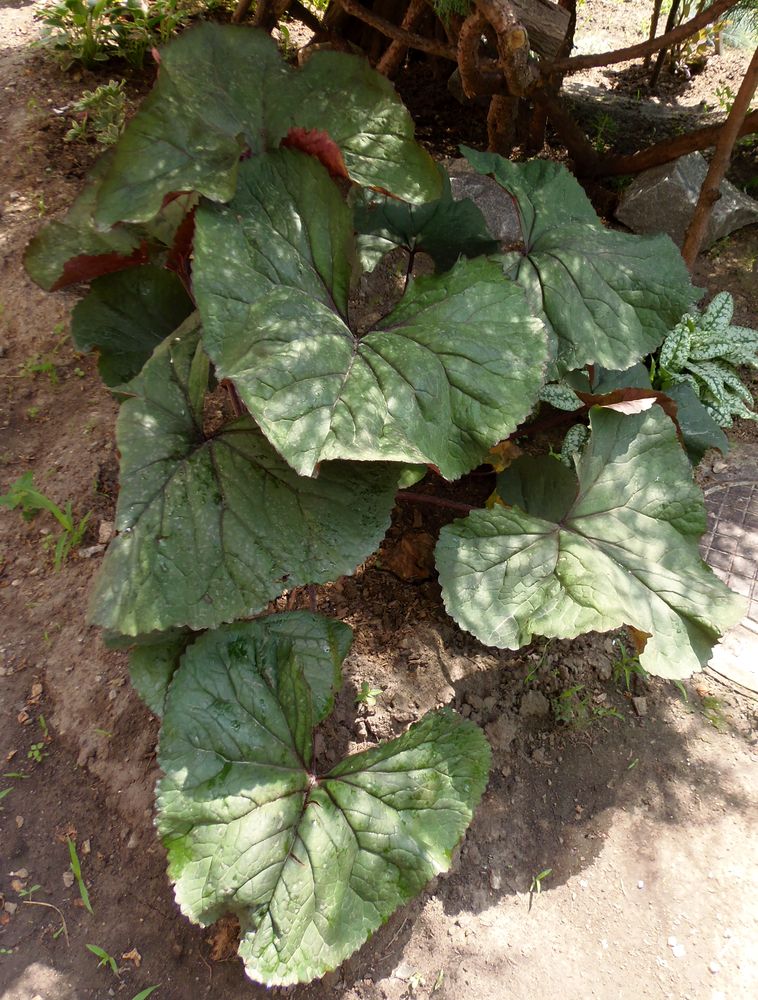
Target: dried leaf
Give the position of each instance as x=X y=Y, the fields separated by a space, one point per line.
x=412 y=557
x=224 y=939
x=133 y=956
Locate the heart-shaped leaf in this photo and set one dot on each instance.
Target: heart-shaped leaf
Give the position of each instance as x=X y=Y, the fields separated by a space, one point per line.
x=451 y=371
x=126 y=315
x=320 y=644
x=609 y=297
x=213 y=525
x=616 y=546
x=310 y=864
x=223 y=90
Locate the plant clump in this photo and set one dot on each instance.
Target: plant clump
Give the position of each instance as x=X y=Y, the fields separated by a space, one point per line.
x=263 y=441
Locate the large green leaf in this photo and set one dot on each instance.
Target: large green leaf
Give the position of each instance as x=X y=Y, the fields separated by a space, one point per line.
x=445 y=229
x=320 y=644
x=223 y=90
x=617 y=545
x=126 y=315
x=310 y=864
x=609 y=297
x=213 y=526
x=451 y=371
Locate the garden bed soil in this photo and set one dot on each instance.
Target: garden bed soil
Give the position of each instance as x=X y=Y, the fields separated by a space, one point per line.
x=643 y=811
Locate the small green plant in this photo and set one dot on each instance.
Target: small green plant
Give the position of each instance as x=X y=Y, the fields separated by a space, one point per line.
x=367 y=696
x=713 y=710
x=99 y=115
x=93 y=31
x=536 y=885
x=26 y=894
x=625 y=667
x=3 y=793
x=725 y=96
x=31 y=501
x=574 y=708
x=604 y=132
x=704 y=351
x=35 y=752
x=32 y=412
x=538 y=879
x=144 y=994
x=76 y=868
x=105 y=958
x=41 y=365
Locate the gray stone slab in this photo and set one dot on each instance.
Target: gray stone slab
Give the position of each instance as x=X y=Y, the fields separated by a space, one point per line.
x=730 y=547
x=495 y=204
x=662 y=200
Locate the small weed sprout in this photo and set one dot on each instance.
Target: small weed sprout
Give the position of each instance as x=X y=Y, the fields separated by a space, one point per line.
x=76 y=868
x=105 y=958
x=536 y=886
x=27 y=894
x=31 y=501
x=626 y=668
x=367 y=696
x=144 y=994
x=35 y=753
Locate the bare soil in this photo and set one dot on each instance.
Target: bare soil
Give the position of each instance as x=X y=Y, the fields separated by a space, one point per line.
x=644 y=815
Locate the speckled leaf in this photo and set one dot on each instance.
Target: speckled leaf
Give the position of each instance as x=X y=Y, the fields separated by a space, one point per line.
x=320 y=644
x=223 y=90
x=609 y=297
x=616 y=546
x=311 y=865
x=213 y=527
x=451 y=371
x=126 y=315
x=362 y=113
x=445 y=229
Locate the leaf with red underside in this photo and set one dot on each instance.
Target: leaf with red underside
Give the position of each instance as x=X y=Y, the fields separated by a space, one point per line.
x=74 y=249
x=319 y=144
x=87 y=267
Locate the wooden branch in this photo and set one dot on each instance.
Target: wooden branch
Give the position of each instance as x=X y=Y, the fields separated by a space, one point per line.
x=709 y=193
x=469 y=43
x=240 y=11
x=409 y=38
x=654 y=18
x=546 y=23
x=703 y=19
x=667 y=150
x=512 y=45
x=670 y=24
x=392 y=59
x=302 y=13
x=581 y=150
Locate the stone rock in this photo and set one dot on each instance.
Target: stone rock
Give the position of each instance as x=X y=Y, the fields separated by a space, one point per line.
x=534 y=704
x=501 y=732
x=495 y=204
x=662 y=200
x=640 y=706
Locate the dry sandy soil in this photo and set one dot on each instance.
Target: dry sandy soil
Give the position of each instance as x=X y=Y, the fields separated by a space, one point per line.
x=646 y=821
